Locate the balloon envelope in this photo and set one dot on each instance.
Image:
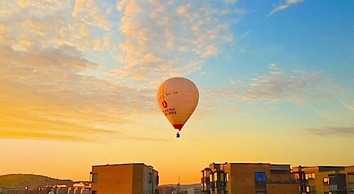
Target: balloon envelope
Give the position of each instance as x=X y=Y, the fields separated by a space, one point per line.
x=178 y=97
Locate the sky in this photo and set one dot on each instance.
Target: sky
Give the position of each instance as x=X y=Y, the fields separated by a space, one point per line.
x=78 y=84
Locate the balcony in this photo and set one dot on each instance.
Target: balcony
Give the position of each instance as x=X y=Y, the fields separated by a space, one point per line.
x=286 y=181
x=333 y=187
x=351 y=186
x=337 y=188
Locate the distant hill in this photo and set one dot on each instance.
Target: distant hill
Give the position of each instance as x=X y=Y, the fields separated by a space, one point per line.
x=30 y=180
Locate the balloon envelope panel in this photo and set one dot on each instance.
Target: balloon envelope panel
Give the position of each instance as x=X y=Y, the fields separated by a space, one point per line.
x=178 y=97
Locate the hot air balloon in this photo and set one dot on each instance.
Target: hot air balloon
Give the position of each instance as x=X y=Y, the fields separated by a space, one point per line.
x=178 y=97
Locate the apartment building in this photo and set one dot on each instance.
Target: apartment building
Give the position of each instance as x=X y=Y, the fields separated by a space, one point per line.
x=248 y=178
x=133 y=178
x=325 y=179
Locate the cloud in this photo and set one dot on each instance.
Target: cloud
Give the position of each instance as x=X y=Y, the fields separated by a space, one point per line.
x=184 y=10
x=87 y=13
x=45 y=92
x=53 y=98
x=51 y=23
x=52 y=83
x=284 y=6
x=150 y=139
x=210 y=50
x=276 y=85
x=168 y=37
x=348 y=106
x=230 y=1
x=331 y=131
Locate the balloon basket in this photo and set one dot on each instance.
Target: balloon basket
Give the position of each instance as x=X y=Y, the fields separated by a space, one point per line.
x=178 y=135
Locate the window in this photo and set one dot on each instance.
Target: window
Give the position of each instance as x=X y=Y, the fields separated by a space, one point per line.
x=222 y=176
x=310 y=176
x=325 y=181
x=94 y=177
x=206 y=172
x=297 y=176
x=215 y=175
x=94 y=192
x=215 y=180
x=150 y=177
x=260 y=177
x=310 y=189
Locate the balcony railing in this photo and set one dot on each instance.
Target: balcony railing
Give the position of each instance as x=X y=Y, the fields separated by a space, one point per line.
x=351 y=186
x=336 y=188
x=289 y=181
x=333 y=187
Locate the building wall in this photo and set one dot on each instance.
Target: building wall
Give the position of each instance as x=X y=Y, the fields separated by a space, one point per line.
x=315 y=178
x=166 y=190
x=282 y=188
x=320 y=186
x=113 y=179
x=271 y=179
x=281 y=181
x=350 y=179
x=242 y=177
x=136 y=178
x=312 y=178
x=150 y=180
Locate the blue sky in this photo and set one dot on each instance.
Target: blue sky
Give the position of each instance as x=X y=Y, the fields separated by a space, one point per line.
x=275 y=80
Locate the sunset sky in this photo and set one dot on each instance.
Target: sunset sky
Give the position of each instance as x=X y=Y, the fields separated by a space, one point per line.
x=78 y=84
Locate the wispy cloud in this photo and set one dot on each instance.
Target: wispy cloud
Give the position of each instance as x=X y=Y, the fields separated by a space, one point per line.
x=172 y=37
x=51 y=24
x=48 y=47
x=44 y=90
x=230 y=1
x=278 y=85
x=350 y=107
x=331 y=131
x=150 y=139
x=284 y=6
